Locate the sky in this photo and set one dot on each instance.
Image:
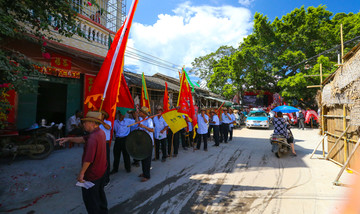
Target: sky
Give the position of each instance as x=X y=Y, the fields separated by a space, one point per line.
x=175 y=32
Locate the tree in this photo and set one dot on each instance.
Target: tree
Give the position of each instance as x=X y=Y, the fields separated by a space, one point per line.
x=276 y=55
x=203 y=66
x=35 y=21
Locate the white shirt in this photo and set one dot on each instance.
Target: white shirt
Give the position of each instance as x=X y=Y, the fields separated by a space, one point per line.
x=120 y=127
x=73 y=120
x=203 y=128
x=160 y=124
x=190 y=126
x=148 y=123
x=215 y=120
x=232 y=120
x=225 y=118
x=107 y=131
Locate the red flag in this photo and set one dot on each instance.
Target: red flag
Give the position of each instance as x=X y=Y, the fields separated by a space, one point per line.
x=145 y=99
x=185 y=100
x=110 y=73
x=124 y=99
x=166 y=99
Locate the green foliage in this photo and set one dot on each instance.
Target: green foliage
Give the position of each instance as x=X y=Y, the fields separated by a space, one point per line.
x=272 y=57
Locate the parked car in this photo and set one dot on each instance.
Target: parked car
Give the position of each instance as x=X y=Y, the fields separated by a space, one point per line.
x=258 y=119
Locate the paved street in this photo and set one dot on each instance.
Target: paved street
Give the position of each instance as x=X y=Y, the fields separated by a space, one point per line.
x=242 y=176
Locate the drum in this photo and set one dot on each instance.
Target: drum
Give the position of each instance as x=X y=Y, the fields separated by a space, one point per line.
x=139 y=144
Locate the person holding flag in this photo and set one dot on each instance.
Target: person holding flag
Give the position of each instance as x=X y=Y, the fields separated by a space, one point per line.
x=190 y=132
x=215 y=124
x=160 y=134
x=226 y=120
x=231 y=126
x=202 y=130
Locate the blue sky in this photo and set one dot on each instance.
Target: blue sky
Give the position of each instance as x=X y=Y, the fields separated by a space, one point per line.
x=178 y=31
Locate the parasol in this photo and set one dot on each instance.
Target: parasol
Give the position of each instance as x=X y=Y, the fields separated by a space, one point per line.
x=285 y=109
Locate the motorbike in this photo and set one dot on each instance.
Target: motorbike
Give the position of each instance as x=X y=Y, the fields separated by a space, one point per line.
x=280 y=145
x=37 y=143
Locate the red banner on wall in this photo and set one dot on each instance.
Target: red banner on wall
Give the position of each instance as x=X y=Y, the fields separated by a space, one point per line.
x=88 y=83
x=59 y=61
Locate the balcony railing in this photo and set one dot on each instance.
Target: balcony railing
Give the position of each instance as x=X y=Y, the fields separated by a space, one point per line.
x=111 y=13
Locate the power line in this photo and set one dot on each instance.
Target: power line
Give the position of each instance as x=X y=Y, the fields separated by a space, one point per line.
x=322 y=53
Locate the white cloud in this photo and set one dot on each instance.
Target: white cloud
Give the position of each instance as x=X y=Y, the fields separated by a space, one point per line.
x=246 y=3
x=192 y=31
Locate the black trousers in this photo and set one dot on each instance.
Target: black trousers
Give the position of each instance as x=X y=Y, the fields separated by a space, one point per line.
x=182 y=135
x=301 y=123
x=204 y=137
x=231 y=132
x=190 y=139
x=173 y=142
x=119 y=147
x=211 y=127
x=221 y=133
x=161 y=143
x=225 y=131
x=95 y=198
x=146 y=165
x=216 y=134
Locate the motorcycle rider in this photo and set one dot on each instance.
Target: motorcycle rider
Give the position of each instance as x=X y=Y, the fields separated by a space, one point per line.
x=280 y=128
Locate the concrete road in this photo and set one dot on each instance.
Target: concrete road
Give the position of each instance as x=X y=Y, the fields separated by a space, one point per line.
x=242 y=176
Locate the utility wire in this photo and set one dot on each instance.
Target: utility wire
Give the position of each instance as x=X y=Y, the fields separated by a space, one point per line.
x=322 y=53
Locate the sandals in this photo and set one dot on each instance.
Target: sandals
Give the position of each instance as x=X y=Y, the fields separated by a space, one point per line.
x=144 y=179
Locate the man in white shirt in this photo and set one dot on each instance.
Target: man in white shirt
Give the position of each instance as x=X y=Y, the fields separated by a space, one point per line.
x=121 y=131
x=202 y=130
x=226 y=119
x=107 y=131
x=73 y=125
x=148 y=127
x=160 y=135
x=231 y=126
x=214 y=121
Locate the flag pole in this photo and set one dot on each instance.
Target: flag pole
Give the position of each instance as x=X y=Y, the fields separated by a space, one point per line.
x=217 y=111
x=144 y=119
x=113 y=61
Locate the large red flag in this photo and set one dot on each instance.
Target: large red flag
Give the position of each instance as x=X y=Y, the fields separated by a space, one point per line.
x=105 y=90
x=166 y=99
x=125 y=99
x=185 y=100
x=145 y=99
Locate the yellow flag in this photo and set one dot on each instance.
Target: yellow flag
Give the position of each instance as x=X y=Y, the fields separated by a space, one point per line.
x=174 y=120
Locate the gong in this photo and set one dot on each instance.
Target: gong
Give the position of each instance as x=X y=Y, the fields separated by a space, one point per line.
x=139 y=144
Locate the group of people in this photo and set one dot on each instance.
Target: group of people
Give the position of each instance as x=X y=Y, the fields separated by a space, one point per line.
x=96 y=155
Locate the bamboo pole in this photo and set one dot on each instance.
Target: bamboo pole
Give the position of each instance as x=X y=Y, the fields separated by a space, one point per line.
x=334 y=135
x=336 y=142
x=342 y=44
x=336 y=181
x=322 y=110
x=322 y=140
x=345 y=130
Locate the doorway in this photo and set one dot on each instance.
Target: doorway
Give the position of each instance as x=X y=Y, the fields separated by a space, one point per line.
x=51 y=102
